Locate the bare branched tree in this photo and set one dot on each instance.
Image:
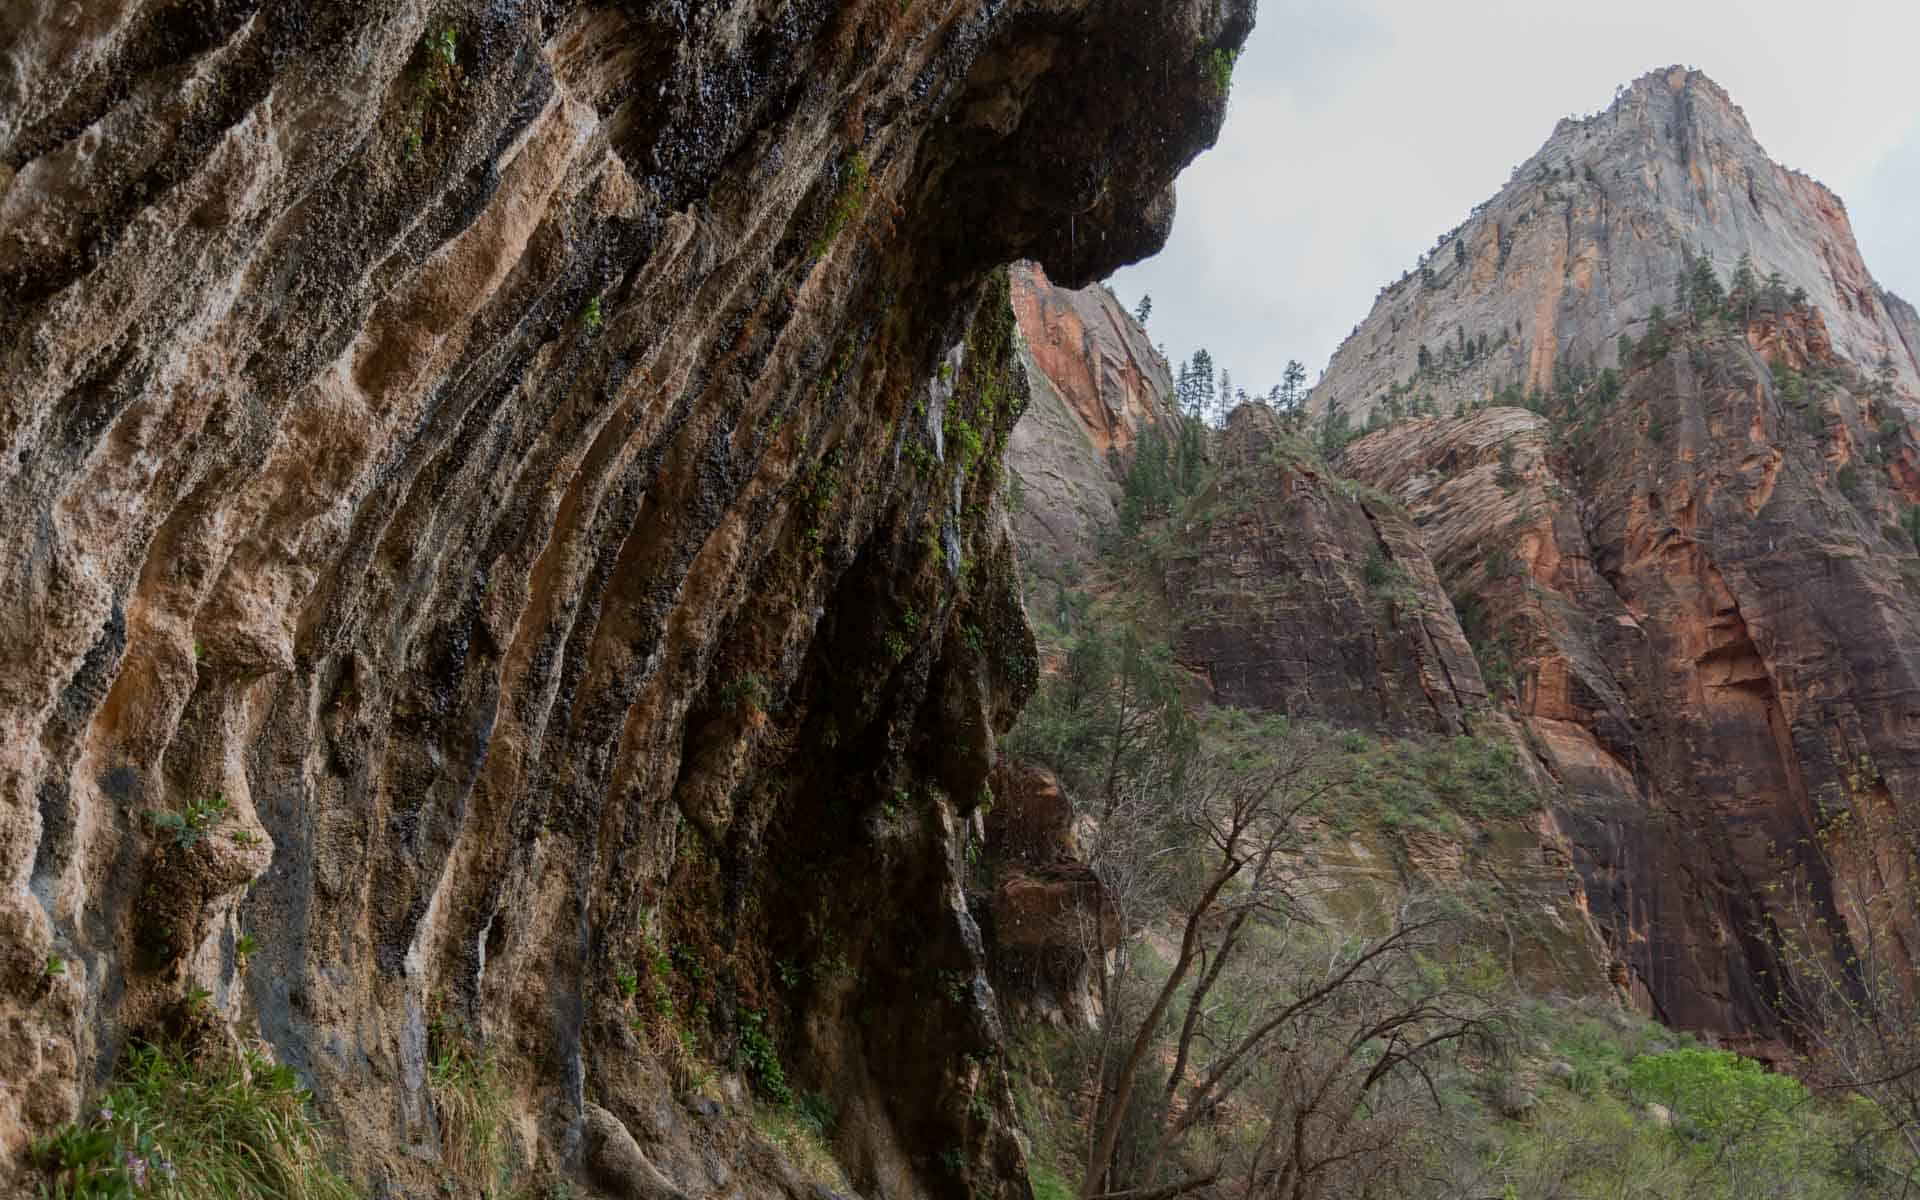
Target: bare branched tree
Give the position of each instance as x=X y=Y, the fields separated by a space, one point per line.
x=1287 y=1052
x=1850 y=944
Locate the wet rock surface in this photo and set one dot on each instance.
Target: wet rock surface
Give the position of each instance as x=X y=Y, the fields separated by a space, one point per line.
x=526 y=476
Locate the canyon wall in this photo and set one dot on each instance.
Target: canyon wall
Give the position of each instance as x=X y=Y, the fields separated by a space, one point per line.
x=1708 y=610
x=503 y=494
x=1294 y=593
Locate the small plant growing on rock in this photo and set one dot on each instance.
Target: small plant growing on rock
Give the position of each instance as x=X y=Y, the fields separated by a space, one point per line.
x=244 y=947
x=761 y=1060
x=965 y=440
x=746 y=695
x=894 y=646
x=1506 y=476
x=471 y=1099
x=591 y=317
x=628 y=981
x=846 y=204
x=1220 y=70
x=188 y=827
x=919 y=456
x=444 y=46
x=56 y=966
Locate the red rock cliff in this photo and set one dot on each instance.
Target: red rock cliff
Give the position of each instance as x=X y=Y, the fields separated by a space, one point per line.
x=1714 y=629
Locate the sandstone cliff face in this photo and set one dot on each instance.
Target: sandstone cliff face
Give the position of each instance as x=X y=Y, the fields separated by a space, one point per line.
x=1293 y=593
x=1712 y=627
x=524 y=477
x=1587 y=237
x=1097 y=382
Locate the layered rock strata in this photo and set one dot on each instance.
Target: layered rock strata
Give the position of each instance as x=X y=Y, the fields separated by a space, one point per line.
x=518 y=483
x=1297 y=592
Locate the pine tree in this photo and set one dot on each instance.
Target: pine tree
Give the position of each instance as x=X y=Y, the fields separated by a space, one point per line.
x=1202 y=406
x=1460 y=252
x=1145 y=310
x=1333 y=430
x=1654 y=345
x=1775 y=295
x=1293 y=386
x=1709 y=298
x=1746 y=288
x=1190 y=453
x=1146 y=492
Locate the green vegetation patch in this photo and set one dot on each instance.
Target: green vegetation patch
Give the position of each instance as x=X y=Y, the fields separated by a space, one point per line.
x=1434 y=785
x=176 y=1127
x=847 y=200
x=470 y=1097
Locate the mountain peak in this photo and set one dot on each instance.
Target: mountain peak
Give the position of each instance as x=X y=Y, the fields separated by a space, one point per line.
x=1589 y=235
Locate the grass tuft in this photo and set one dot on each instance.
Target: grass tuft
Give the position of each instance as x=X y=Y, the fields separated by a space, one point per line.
x=226 y=1127
x=471 y=1100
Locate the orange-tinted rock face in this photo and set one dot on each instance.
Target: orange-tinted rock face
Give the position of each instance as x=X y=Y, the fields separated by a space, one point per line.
x=507 y=454
x=1094 y=354
x=1097 y=382
x=1711 y=624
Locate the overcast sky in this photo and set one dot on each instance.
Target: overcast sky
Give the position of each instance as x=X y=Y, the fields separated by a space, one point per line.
x=1360 y=130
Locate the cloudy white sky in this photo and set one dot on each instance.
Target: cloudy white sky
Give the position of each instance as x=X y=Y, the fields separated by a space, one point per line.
x=1359 y=130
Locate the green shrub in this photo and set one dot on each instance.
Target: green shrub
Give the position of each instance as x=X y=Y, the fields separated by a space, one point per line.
x=761 y=1059
x=1220 y=70
x=1721 y=1093
x=1047 y=1183
x=471 y=1100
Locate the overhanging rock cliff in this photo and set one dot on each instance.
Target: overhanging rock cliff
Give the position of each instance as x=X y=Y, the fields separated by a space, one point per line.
x=522 y=478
